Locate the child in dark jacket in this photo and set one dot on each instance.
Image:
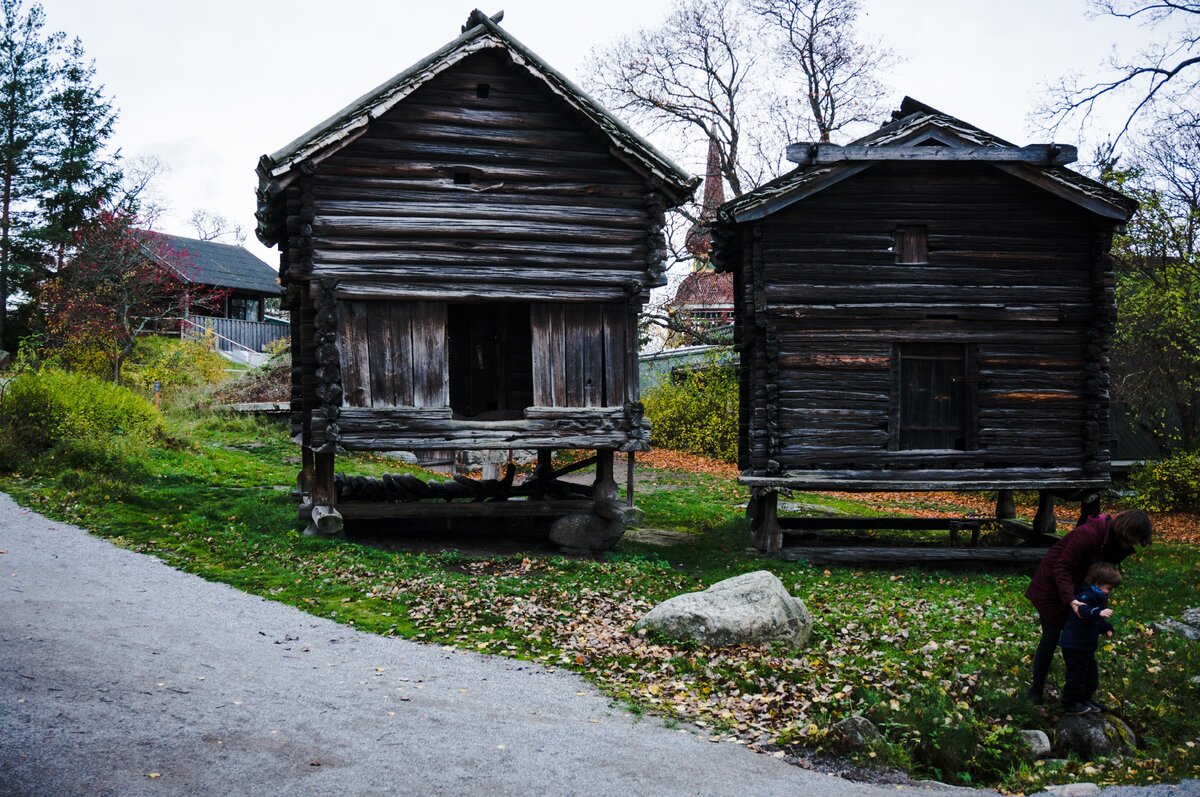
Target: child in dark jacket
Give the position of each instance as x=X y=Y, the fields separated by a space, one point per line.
x=1086 y=621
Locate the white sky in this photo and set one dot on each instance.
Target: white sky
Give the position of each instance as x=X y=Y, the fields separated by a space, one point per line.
x=209 y=87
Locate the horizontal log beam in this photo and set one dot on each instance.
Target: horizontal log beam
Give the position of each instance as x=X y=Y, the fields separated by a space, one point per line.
x=824 y=153
x=352 y=510
x=927 y=481
x=467 y=275
x=548 y=292
x=911 y=555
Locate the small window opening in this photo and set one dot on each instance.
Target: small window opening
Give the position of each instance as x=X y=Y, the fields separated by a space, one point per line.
x=462 y=178
x=482 y=90
x=911 y=245
x=491 y=360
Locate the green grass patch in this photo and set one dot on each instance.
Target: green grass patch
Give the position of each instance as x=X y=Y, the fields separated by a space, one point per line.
x=937 y=659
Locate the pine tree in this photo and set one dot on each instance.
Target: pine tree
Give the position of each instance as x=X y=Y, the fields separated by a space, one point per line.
x=75 y=174
x=26 y=73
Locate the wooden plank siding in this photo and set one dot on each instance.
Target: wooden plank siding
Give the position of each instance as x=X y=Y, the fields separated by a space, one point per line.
x=1011 y=273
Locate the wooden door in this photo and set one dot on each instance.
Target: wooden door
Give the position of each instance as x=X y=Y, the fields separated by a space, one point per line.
x=490 y=360
x=933 y=409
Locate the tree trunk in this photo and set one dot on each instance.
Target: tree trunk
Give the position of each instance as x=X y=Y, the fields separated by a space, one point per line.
x=5 y=243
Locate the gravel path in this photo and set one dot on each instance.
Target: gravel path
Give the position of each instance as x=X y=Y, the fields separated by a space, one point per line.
x=121 y=676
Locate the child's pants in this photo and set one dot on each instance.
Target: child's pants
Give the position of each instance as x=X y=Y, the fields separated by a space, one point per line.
x=1082 y=676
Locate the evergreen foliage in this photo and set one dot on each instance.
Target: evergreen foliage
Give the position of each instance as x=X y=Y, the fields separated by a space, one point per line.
x=26 y=77
x=77 y=175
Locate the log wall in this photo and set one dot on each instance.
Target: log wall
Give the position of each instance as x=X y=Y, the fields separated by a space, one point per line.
x=480 y=186
x=1018 y=278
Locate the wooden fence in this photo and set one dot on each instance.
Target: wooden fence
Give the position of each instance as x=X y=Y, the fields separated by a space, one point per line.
x=245 y=334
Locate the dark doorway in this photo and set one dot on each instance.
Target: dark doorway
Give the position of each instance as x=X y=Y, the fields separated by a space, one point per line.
x=491 y=360
x=935 y=406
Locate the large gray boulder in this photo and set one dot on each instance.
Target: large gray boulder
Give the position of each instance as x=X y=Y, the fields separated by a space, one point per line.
x=1094 y=736
x=747 y=609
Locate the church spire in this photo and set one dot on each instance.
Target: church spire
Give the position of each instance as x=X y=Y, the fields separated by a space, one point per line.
x=699 y=238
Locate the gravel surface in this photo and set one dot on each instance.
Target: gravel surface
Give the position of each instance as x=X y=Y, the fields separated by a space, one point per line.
x=121 y=676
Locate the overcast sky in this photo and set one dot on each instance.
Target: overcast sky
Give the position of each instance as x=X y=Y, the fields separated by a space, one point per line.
x=209 y=87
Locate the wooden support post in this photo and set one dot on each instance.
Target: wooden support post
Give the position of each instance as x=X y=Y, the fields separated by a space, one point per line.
x=304 y=479
x=1006 y=507
x=1043 y=521
x=629 y=465
x=545 y=467
x=1089 y=506
x=605 y=486
x=326 y=520
x=764 y=520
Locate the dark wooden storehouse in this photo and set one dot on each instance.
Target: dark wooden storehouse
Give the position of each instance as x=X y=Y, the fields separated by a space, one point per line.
x=465 y=250
x=927 y=308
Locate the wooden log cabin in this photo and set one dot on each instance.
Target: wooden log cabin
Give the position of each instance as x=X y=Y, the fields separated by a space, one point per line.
x=927 y=308
x=465 y=250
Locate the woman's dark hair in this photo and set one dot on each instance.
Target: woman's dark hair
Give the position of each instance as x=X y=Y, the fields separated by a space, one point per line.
x=1132 y=527
x=1103 y=573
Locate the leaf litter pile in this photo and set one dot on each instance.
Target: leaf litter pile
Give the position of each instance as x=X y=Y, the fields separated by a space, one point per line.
x=937 y=663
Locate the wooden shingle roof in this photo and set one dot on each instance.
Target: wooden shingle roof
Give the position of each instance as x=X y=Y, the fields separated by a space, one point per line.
x=277 y=170
x=917 y=125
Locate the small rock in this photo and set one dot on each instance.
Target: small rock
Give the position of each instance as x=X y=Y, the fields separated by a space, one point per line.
x=1191 y=617
x=748 y=609
x=407 y=457
x=586 y=531
x=1196 y=681
x=1074 y=790
x=1037 y=743
x=1092 y=736
x=856 y=735
x=1187 y=631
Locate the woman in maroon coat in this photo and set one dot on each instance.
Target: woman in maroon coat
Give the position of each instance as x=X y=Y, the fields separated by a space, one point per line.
x=1101 y=538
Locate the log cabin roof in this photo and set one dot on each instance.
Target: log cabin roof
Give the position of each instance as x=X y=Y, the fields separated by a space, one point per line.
x=212 y=263
x=916 y=124
x=481 y=33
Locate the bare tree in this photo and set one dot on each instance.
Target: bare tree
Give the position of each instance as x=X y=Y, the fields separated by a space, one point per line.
x=694 y=75
x=1162 y=74
x=211 y=226
x=817 y=39
x=136 y=193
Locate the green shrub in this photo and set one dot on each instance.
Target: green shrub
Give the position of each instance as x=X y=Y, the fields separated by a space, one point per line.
x=76 y=420
x=1171 y=484
x=696 y=411
x=173 y=363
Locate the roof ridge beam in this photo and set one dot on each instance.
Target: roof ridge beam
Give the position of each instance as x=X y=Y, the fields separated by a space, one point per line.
x=824 y=153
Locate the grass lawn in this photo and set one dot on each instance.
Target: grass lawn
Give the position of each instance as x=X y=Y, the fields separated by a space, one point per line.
x=936 y=658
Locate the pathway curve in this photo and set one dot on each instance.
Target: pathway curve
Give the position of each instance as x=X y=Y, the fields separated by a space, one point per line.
x=121 y=676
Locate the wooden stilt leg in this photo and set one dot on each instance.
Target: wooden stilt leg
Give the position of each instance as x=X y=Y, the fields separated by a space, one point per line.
x=605 y=486
x=1006 y=507
x=304 y=480
x=764 y=520
x=629 y=466
x=544 y=468
x=326 y=520
x=1043 y=521
x=1089 y=506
